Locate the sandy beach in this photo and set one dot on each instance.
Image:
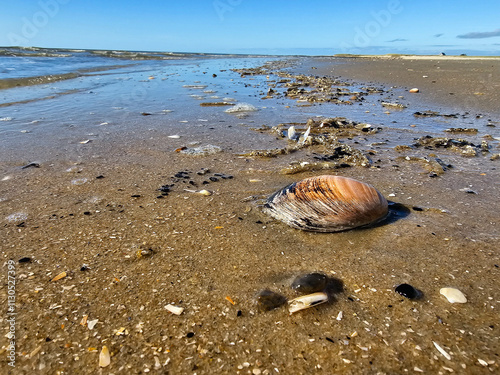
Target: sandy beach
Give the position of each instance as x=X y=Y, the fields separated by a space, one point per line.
x=458 y=83
x=99 y=251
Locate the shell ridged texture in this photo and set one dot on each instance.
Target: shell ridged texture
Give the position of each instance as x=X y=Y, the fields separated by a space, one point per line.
x=327 y=204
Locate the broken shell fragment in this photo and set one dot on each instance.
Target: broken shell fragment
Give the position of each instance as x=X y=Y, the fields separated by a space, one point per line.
x=60 y=276
x=104 y=358
x=176 y=310
x=307 y=301
x=204 y=192
x=327 y=204
x=453 y=295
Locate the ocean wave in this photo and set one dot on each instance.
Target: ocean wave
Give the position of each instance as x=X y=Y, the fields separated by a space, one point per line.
x=11 y=53
x=115 y=54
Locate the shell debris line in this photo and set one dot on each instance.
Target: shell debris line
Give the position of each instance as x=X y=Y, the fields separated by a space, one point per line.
x=327 y=204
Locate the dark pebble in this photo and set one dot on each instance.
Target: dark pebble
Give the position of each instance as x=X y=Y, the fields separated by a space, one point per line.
x=415 y=208
x=161 y=196
x=408 y=291
x=190 y=334
x=239 y=313
x=84 y=267
x=136 y=196
x=100 y=177
x=25 y=260
x=213 y=179
x=86 y=213
x=268 y=300
x=182 y=174
x=146 y=114
x=165 y=188
x=205 y=182
x=310 y=283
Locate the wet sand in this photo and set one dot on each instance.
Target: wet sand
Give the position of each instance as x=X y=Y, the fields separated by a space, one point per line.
x=95 y=212
x=456 y=83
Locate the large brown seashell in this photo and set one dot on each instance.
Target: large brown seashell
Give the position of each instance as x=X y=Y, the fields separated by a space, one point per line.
x=327 y=204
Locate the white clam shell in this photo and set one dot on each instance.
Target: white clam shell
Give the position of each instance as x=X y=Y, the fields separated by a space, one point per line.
x=453 y=295
x=327 y=204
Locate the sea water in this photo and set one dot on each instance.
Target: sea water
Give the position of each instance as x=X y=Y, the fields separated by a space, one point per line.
x=51 y=96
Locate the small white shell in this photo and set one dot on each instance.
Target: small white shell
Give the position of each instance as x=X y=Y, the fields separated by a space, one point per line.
x=453 y=295
x=201 y=192
x=292 y=134
x=442 y=351
x=304 y=302
x=174 y=309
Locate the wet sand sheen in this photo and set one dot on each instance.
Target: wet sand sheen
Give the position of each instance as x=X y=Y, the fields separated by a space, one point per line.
x=128 y=253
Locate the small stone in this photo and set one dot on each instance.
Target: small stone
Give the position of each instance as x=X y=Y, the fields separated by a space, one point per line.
x=25 y=260
x=453 y=295
x=414 y=90
x=310 y=283
x=268 y=300
x=408 y=291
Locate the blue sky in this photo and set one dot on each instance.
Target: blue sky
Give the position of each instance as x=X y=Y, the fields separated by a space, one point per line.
x=245 y=26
